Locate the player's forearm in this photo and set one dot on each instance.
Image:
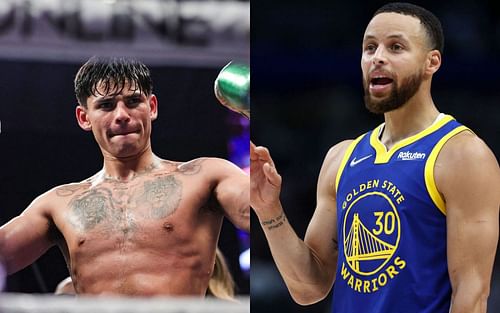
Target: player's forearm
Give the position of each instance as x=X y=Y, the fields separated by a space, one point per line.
x=471 y=270
x=470 y=298
x=306 y=278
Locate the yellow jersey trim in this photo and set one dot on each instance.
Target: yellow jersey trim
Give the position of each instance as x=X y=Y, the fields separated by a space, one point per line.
x=430 y=182
x=347 y=155
x=381 y=153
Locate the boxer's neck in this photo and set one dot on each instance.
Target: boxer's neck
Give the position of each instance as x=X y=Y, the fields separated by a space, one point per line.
x=125 y=169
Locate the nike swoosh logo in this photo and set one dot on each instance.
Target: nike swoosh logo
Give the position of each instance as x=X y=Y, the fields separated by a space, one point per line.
x=355 y=162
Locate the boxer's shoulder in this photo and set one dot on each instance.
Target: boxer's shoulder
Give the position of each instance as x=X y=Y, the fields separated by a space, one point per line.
x=68 y=190
x=199 y=166
x=52 y=200
x=191 y=167
x=209 y=167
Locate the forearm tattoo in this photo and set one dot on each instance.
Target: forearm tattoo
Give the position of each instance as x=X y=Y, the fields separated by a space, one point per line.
x=275 y=222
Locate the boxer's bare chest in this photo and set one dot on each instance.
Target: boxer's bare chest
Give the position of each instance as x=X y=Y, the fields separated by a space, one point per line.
x=145 y=203
x=119 y=204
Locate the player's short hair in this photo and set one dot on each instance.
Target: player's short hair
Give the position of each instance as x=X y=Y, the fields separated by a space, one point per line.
x=431 y=23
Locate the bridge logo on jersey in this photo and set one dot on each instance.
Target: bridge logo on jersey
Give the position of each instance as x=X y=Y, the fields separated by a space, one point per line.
x=362 y=245
x=371 y=235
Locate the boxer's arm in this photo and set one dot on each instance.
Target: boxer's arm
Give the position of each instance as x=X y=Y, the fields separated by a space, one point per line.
x=468 y=176
x=308 y=267
x=26 y=237
x=232 y=191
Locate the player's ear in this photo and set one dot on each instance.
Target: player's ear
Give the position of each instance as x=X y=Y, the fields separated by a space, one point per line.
x=433 y=62
x=82 y=118
x=153 y=107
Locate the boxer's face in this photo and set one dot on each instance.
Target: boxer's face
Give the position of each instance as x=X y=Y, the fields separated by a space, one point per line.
x=395 y=48
x=121 y=123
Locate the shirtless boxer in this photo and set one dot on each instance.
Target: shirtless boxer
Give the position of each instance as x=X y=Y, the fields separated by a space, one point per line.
x=141 y=226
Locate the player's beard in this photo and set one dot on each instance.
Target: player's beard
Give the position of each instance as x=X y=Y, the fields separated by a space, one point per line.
x=398 y=96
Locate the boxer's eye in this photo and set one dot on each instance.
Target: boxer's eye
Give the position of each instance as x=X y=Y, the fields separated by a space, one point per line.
x=106 y=105
x=134 y=101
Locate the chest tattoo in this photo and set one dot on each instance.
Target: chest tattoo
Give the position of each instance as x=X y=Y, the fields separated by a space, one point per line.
x=160 y=197
x=116 y=206
x=92 y=207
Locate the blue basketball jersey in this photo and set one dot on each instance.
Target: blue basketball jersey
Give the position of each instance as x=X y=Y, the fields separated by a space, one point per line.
x=392 y=225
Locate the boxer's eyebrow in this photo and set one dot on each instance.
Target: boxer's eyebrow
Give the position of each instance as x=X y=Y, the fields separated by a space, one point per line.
x=103 y=100
x=111 y=97
x=135 y=96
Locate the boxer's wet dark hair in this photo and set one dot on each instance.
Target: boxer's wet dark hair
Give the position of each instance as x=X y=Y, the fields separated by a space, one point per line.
x=110 y=75
x=431 y=23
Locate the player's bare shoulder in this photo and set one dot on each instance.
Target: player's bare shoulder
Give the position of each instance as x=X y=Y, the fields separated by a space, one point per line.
x=466 y=145
x=334 y=158
x=330 y=169
x=465 y=158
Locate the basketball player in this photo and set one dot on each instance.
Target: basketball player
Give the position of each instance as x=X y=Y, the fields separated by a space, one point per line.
x=141 y=226
x=407 y=214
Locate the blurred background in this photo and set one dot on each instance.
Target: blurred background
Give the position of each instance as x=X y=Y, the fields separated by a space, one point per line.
x=42 y=45
x=307 y=96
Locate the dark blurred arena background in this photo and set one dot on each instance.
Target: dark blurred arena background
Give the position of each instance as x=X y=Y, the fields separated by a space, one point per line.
x=42 y=45
x=307 y=96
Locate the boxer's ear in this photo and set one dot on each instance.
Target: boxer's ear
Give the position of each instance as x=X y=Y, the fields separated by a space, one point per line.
x=153 y=107
x=82 y=118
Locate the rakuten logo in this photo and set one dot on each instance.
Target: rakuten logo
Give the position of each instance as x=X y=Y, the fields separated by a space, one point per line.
x=409 y=156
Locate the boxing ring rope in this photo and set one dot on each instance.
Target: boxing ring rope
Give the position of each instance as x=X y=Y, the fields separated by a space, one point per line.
x=30 y=303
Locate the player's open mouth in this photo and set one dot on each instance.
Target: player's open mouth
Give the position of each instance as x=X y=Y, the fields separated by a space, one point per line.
x=380 y=84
